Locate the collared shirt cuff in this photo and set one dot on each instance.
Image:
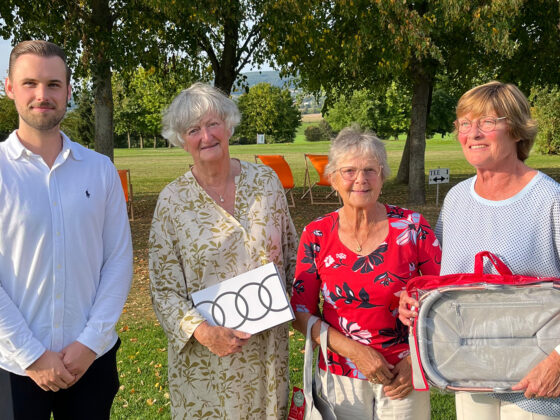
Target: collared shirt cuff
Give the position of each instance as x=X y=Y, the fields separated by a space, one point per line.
x=29 y=355
x=557 y=348
x=97 y=342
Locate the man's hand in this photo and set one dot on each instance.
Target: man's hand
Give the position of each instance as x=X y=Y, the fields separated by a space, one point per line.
x=77 y=358
x=221 y=341
x=543 y=380
x=49 y=372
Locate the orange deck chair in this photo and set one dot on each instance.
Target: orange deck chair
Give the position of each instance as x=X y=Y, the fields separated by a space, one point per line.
x=319 y=162
x=124 y=175
x=284 y=172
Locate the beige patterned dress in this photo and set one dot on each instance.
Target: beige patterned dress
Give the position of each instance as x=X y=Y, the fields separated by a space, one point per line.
x=194 y=243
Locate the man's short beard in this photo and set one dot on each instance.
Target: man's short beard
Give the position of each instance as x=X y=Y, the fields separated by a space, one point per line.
x=44 y=124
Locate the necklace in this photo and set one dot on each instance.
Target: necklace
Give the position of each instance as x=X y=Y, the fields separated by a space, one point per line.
x=359 y=247
x=220 y=196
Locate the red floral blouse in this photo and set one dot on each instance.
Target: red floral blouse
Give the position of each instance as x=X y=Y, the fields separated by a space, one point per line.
x=361 y=293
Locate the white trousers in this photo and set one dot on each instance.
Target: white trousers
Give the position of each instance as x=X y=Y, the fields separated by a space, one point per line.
x=474 y=406
x=360 y=399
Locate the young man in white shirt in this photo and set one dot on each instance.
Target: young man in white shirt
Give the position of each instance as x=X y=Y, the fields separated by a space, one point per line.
x=65 y=253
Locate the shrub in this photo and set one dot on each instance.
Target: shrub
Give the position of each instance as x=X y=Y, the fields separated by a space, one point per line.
x=326 y=130
x=314 y=133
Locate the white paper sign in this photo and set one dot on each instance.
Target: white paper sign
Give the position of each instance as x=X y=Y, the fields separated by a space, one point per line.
x=439 y=176
x=251 y=302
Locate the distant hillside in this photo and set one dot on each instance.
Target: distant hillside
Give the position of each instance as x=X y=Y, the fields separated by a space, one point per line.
x=307 y=105
x=270 y=77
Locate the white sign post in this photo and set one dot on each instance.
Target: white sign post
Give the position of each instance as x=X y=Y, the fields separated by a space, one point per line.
x=438 y=176
x=260 y=138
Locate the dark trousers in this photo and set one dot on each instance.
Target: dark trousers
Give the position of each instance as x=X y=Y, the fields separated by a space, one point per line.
x=88 y=399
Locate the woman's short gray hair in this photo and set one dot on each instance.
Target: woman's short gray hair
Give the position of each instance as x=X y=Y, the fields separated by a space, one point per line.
x=355 y=141
x=191 y=105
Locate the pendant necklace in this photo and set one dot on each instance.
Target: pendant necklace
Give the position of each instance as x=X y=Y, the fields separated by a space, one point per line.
x=359 y=247
x=221 y=197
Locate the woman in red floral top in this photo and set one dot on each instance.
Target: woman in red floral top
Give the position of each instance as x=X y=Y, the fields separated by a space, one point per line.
x=360 y=258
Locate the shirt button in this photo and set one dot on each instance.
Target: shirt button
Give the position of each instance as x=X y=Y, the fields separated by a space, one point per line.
x=57 y=233
x=58 y=296
x=54 y=203
x=58 y=266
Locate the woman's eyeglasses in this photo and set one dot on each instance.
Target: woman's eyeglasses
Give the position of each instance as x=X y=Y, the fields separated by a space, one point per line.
x=484 y=124
x=349 y=173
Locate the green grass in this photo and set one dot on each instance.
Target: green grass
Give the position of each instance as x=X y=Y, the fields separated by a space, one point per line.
x=142 y=359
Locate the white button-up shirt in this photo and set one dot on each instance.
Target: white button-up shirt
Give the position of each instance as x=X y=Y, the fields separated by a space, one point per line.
x=65 y=252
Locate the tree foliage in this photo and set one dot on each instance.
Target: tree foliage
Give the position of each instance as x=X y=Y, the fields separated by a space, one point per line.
x=386 y=112
x=140 y=98
x=267 y=110
x=351 y=44
x=546 y=110
x=225 y=35
x=9 y=118
x=98 y=36
x=442 y=112
x=79 y=123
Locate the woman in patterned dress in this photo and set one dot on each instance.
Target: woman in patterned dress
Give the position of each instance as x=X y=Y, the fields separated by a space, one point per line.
x=512 y=211
x=222 y=218
x=360 y=258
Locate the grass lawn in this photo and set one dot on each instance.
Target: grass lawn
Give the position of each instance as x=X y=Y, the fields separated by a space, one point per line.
x=142 y=358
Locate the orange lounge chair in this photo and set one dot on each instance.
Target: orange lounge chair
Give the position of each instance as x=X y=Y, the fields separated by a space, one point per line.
x=124 y=175
x=284 y=172
x=319 y=162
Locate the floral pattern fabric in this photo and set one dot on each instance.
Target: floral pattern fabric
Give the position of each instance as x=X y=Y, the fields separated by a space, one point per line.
x=194 y=243
x=361 y=292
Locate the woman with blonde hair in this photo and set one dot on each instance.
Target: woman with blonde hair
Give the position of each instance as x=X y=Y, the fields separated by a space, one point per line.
x=511 y=210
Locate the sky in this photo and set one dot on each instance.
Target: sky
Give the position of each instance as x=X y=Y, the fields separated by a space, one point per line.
x=5 y=48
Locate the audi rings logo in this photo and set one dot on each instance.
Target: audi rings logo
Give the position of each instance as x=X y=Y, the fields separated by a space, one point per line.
x=253 y=301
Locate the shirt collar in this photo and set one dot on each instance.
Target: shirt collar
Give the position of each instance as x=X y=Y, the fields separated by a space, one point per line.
x=16 y=150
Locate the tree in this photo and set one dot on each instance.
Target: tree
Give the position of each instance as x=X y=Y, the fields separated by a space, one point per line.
x=442 y=112
x=355 y=108
x=546 y=110
x=140 y=98
x=386 y=112
x=227 y=34
x=267 y=110
x=98 y=36
x=346 y=45
x=79 y=123
x=9 y=118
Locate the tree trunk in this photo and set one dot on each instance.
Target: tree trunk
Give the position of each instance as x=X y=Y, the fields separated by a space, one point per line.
x=128 y=138
x=404 y=167
x=101 y=72
x=141 y=142
x=422 y=86
x=225 y=72
x=155 y=142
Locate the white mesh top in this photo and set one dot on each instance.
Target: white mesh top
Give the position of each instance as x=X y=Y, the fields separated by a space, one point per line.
x=524 y=231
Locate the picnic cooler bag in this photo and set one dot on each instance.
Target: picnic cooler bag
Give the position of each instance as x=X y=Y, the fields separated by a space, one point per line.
x=482 y=332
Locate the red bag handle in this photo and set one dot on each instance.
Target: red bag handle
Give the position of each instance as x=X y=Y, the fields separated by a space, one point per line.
x=502 y=268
